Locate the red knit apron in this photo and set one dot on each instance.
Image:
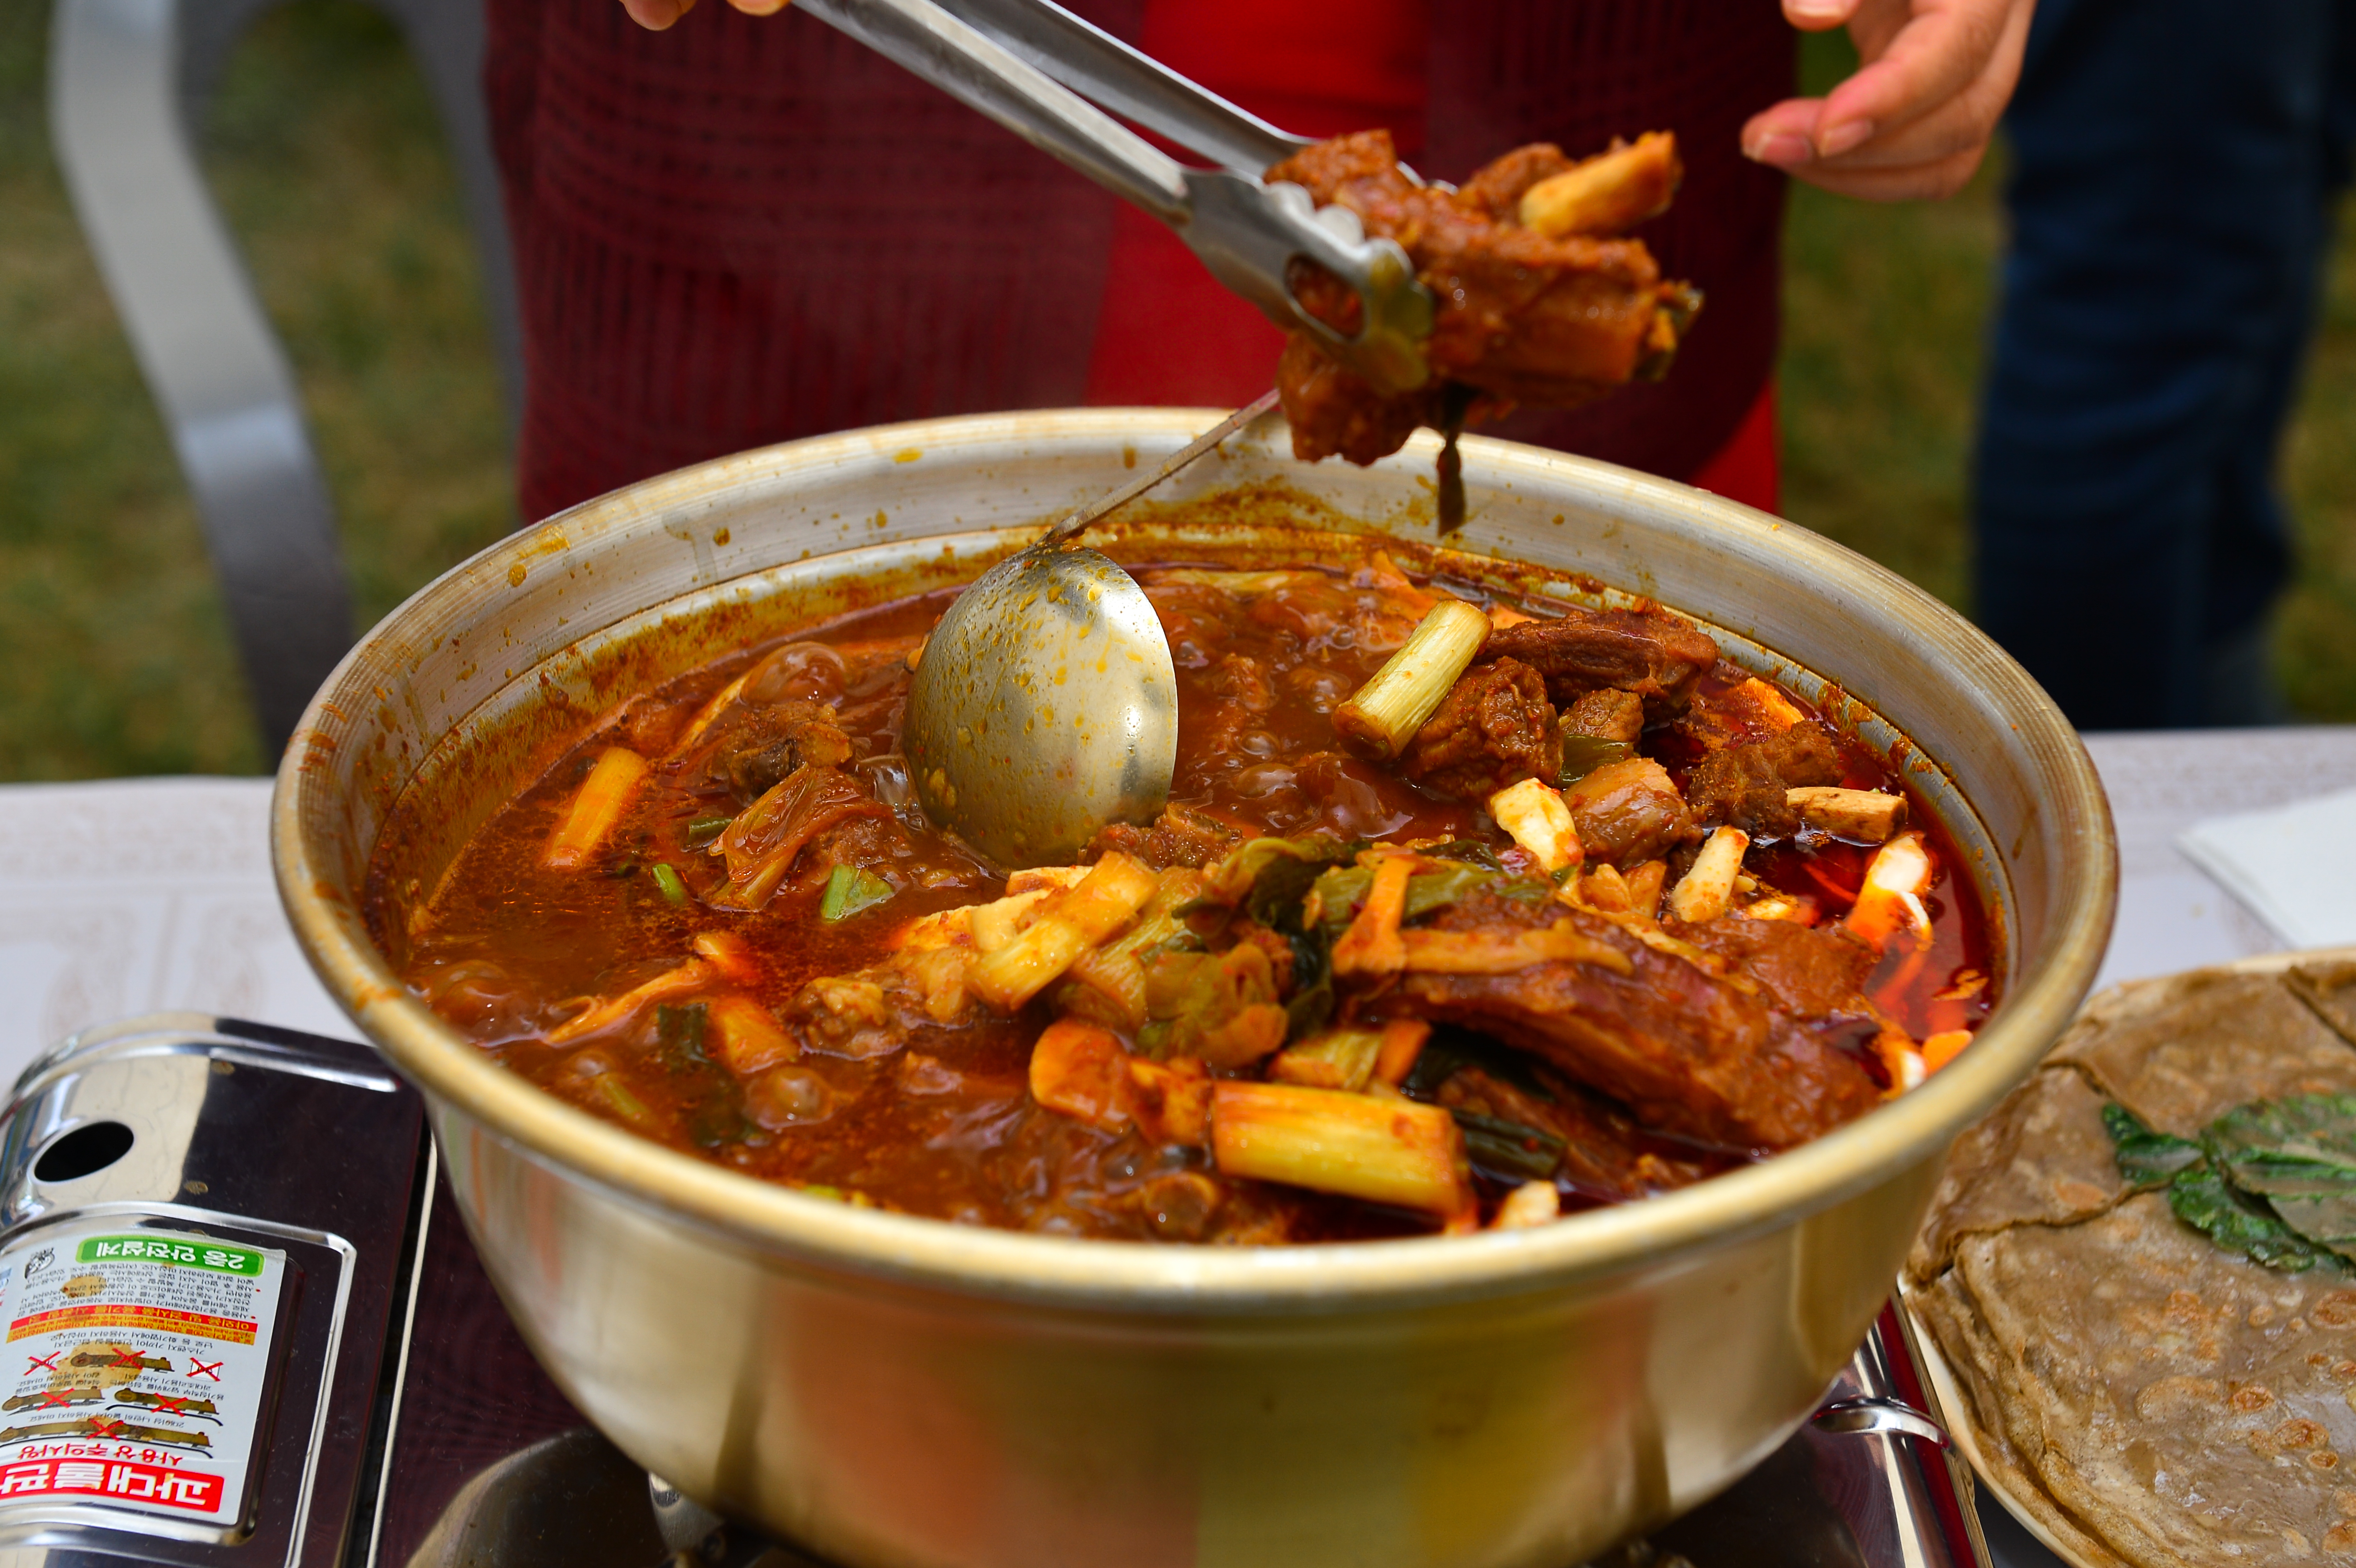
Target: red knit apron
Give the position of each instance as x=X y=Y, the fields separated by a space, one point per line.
x=743 y=230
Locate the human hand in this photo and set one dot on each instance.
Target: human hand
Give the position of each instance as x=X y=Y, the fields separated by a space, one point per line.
x=656 y=14
x=1915 y=120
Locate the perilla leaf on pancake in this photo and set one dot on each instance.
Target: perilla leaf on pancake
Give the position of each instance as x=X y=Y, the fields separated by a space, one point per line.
x=2240 y=1223
x=2300 y=1155
x=2148 y=1159
x=2275 y=1179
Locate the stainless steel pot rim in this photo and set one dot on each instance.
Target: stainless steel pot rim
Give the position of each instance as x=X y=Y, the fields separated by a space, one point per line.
x=824 y=1234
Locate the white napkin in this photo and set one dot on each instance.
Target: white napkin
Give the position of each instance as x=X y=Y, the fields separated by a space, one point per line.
x=2294 y=866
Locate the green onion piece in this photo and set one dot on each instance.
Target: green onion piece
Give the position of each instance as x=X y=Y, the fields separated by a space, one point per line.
x=1509 y=1148
x=849 y=890
x=704 y=829
x=1582 y=755
x=1471 y=851
x=667 y=879
x=1388 y=709
x=626 y=1105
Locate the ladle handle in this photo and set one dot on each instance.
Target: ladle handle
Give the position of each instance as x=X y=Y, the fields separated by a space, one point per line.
x=1177 y=459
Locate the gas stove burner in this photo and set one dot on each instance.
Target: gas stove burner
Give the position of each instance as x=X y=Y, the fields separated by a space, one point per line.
x=253 y=1332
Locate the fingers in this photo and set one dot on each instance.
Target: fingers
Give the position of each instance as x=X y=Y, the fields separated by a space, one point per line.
x=1918 y=147
x=1792 y=135
x=1933 y=157
x=1817 y=16
x=1783 y=136
x=1920 y=56
x=656 y=14
x=1931 y=181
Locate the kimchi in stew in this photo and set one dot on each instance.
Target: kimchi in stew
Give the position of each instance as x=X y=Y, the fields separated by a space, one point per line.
x=1560 y=910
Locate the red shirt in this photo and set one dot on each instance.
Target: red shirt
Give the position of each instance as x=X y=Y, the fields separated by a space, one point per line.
x=746 y=229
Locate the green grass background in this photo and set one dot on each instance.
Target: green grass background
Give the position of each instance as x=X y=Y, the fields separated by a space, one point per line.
x=323 y=149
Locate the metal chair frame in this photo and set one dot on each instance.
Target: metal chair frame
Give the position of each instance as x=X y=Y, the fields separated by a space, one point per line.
x=128 y=83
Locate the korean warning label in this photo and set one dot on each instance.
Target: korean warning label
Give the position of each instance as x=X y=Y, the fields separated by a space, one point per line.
x=134 y=1371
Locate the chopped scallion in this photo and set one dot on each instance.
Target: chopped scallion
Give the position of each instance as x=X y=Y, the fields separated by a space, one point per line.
x=626 y=1105
x=849 y=890
x=668 y=881
x=704 y=829
x=1509 y=1148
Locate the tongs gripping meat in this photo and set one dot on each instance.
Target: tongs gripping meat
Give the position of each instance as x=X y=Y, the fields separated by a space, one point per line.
x=1541 y=302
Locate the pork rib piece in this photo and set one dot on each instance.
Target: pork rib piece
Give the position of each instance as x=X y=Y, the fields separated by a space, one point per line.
x=1652 y=652
x=1525 y=316
x=1693 y=1054
x=1749 y=784
x=1494 y=728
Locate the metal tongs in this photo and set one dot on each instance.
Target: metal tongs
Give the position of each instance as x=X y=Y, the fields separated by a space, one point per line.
x=1007 y=59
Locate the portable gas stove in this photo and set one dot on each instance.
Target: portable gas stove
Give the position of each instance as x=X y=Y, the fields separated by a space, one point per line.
x=253 y=1332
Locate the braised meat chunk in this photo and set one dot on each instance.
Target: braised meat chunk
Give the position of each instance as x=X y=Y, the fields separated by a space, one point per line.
x=1608 y=714
x=1496 y=187
x=1181 y=836
x=1494 y=728
x=1690 y=1053
x=1748 y=785
x=1651 y=651
x=1535 y=304
x=1813 y=972
x=768 y=743
x=1628 y=812
x=1336 y=412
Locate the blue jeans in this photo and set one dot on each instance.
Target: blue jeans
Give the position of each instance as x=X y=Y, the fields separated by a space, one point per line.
x=2175 y=167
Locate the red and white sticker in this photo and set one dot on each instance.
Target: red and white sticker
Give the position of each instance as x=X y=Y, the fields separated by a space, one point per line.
x=131 y=1371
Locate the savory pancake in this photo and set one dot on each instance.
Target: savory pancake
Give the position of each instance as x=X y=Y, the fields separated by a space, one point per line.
x=2329 y=989
x=2149 y=1396
x=2182 y=1051
x=2042 y=1156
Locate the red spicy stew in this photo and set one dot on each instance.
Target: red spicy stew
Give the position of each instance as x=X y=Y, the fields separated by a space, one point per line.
x=1598 y=917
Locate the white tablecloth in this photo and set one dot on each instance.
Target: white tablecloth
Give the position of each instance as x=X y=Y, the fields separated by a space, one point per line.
x=124 y=896
x=133 y=895
x=2172 y=915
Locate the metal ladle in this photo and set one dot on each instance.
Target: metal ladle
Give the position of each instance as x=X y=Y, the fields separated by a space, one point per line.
x=1044 y=705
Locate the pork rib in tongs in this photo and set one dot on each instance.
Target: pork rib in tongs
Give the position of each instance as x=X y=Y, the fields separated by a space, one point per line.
x=1034 y=68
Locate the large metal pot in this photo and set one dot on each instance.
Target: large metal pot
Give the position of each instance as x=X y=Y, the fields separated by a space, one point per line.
x=894 y=1391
